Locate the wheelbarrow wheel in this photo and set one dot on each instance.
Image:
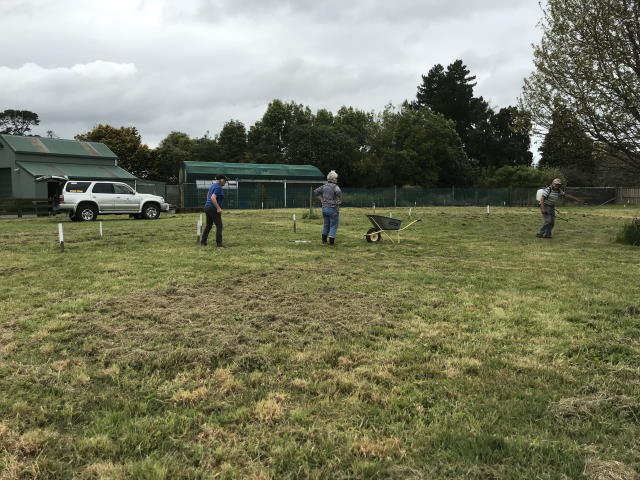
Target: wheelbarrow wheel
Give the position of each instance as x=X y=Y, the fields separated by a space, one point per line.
x=373 y=235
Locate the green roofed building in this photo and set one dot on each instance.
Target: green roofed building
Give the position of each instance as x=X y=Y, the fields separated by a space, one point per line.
x=251 y=185
x=23 y=159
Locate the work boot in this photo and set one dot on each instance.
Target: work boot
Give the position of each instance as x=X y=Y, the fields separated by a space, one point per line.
x=324 y=239
x=204 y=244
x=220 y=245
x=332 y=241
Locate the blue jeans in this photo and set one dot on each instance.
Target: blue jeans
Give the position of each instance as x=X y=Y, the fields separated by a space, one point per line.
x=331 y=217
x=549 y=221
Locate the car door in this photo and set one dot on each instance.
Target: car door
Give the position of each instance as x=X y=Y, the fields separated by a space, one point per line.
x=103 y=194
x=125 y=198
x=54 y=186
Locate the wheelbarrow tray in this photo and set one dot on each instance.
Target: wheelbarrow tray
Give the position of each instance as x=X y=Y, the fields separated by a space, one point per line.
x=384 y=223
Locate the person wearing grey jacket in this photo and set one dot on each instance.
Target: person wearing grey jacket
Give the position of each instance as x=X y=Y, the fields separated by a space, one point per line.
x=331 y=197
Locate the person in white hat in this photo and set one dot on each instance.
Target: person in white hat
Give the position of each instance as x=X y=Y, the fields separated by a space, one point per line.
x=550 y=196
x=331 y=198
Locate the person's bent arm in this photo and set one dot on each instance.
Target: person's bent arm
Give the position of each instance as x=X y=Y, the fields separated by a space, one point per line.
x=214 y=200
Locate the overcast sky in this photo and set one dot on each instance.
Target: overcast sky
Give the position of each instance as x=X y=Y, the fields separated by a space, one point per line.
x=191 y=65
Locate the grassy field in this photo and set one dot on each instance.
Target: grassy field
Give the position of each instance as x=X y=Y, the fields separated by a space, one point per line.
x=472 y=350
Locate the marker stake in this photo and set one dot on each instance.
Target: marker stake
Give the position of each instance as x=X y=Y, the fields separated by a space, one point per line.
x=294 y=223
x=61 y=237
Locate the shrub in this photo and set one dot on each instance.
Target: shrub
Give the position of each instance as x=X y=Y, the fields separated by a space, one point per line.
x=630 y=233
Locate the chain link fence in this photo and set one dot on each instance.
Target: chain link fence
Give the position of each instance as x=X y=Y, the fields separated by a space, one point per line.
x=257 y=195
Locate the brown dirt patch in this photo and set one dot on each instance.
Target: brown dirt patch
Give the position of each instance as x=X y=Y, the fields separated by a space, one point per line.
x=227 y=323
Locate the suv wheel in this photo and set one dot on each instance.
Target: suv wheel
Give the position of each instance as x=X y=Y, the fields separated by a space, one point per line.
x=151 y=211
x=86 y=213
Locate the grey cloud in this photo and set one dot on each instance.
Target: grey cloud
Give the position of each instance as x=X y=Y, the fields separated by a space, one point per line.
x=406 y=11
x=199 y=63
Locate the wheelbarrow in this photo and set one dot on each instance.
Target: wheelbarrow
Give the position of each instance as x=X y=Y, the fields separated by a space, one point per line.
x=382 y=225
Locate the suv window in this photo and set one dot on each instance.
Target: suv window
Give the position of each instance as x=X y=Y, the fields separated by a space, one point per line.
x=103 y=188
x=126 y=189
x=77 y=187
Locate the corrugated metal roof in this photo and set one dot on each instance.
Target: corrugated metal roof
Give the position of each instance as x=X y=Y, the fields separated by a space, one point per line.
x=252 y=170
x=56 y=146
x=76 y=171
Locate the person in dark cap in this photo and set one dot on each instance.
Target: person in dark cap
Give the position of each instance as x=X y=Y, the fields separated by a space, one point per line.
x=213 y=210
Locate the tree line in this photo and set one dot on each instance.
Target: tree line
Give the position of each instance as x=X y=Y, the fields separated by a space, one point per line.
x=444 y=136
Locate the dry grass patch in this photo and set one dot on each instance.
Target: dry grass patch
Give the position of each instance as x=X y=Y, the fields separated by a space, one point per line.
x=99 y=445
x=594 y=405
x=300 y=384
x=272 y=408
x=190 y=397
x=184 y=326
x=34 y=441
x=379 y=448
x=595 y=469
x=104 y=471
x=225 y=382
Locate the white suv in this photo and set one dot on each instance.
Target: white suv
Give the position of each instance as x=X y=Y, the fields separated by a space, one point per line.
x=85 y=199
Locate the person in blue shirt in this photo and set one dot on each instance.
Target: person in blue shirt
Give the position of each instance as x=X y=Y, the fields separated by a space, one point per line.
x=213 y=210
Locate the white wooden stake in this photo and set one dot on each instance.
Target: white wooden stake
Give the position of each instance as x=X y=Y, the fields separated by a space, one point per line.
x=199 y=229
x=61 y=237
x=294 y=223
x=374 y=207
x=100 y=229
x=487 y=209
x=409 y=211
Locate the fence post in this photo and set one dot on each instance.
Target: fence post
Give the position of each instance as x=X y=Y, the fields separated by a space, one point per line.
x=395 y=195
x=60 y=237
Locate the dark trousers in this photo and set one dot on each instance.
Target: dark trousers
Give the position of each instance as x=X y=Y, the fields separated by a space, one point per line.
x=212 y=217
x=549 y=221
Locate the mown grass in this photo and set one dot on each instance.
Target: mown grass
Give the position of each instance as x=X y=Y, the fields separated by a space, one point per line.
x=472 y=350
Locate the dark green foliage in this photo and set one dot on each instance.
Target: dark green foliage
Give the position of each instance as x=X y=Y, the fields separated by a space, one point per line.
x=519 y=176
x=323 y=147
x=17 y=122
x=126 y=143
x=450 y=93
x=567 y=147
x=268 y=138
x=232 y=141
x=206 y=149
x=493 y=139
x=176 y=148
x=630 y=233
x=418 y=147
